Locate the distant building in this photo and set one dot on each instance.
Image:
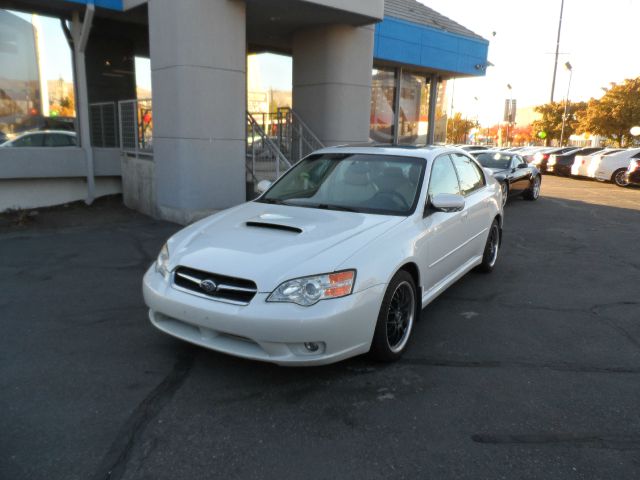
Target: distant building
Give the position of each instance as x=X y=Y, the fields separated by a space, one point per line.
x=19 y=74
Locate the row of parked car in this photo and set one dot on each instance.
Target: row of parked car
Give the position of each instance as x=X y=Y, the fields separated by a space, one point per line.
x=617 y=165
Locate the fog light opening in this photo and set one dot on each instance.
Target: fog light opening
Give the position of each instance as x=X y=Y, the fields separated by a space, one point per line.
x=311 y=346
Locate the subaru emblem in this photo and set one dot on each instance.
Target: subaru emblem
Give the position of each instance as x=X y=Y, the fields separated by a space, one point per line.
x=209 y=286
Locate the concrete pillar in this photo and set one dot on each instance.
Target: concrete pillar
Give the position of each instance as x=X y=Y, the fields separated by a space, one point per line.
x=198 y=65
x=332 y=81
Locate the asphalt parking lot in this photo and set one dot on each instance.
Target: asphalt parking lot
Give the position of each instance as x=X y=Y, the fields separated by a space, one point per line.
x=532 y=372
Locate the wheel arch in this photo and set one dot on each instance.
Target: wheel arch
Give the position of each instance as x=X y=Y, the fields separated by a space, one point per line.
x=412 y=269
x=612 y=179
x=499 y=218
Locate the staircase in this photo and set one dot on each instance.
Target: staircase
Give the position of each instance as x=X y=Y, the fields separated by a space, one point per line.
x=275 y=141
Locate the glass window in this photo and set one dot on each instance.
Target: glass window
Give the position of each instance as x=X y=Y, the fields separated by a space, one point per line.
x=471 y=178
x=495 y=160
x=443 y=177
x=36 y=86
x=413 y=121
x=440 y=130
x=58 y=140
x=383 y=101
x=379 y=184
x=30 y=140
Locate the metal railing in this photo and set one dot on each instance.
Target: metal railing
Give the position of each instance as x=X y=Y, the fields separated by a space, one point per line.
x=296 y=136
x=136 y=126
x=103 y=121
x=264 y=159
x=289 y=133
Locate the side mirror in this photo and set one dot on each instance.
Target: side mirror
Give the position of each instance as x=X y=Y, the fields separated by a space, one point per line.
x=263 y=186
x=447 y=202
x=523 y=165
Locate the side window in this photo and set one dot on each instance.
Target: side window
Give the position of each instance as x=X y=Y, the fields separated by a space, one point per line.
x=515 y=161
x=57 y=140
x=34 y=140
x=637 y=155
x=443 y=177
x=471 y=177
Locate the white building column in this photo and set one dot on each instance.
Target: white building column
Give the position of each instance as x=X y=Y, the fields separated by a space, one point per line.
x=332 y=81
x=198 y=65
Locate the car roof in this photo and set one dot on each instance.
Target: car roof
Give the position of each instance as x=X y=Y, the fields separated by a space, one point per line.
x=500 y=152
x=36 y=132
x=421 y=151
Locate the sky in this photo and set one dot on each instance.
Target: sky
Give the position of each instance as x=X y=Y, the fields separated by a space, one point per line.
x=599 y=38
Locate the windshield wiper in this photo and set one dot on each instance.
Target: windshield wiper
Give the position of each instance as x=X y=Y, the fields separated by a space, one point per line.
x=273 y=201
x=326 y=206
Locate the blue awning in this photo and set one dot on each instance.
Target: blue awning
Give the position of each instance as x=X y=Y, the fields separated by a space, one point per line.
x=412 y=44
x=110 y=4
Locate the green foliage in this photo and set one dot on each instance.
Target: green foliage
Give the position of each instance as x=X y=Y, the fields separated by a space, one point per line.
x=551 y=121
x=613 y=115
x=458 y=128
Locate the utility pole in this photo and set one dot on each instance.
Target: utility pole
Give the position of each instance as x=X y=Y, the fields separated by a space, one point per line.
x=555 y=64
x=510 y=114
x=569 y=67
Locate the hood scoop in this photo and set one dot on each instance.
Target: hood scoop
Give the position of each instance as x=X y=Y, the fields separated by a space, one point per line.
x=274 y=226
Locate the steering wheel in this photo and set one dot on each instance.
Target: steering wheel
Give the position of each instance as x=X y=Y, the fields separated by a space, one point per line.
x=395 y=197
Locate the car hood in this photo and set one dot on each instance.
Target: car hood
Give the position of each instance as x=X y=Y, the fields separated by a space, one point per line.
x=273 y=243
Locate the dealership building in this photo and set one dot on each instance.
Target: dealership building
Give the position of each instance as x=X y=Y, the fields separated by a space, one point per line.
x=362 y=70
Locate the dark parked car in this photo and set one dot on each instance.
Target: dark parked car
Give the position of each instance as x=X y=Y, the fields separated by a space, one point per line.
x=540 y=159
x=633 y=173
x=516 y=177
x=561 y=164
x=472 y=148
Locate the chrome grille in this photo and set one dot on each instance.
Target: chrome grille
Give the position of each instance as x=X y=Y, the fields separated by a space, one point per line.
x=217 y=287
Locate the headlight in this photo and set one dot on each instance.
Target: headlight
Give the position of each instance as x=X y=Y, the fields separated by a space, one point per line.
x=162 y=263
x=307 y=291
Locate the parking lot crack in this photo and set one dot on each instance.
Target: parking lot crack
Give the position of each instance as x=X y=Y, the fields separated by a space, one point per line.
x=114 y=463
x=559 y=366
x=603 y=441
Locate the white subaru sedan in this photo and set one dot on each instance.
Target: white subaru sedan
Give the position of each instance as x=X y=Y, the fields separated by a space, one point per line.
x=336 y=259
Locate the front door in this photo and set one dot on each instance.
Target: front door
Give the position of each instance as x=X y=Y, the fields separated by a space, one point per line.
x=441 y=246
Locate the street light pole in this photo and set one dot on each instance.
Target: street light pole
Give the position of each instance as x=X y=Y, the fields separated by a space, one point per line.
x=568 y=66
x=509 y=112
x=555 y=64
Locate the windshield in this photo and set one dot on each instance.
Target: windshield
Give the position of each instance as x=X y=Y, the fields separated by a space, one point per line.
x=380 y=184
x=494 y=160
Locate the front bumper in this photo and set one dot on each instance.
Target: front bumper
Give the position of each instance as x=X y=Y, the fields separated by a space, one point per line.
x=270 y=332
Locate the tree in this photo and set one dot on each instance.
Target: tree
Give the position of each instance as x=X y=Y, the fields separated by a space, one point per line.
x=551 y=121
x=458 y=128
x=613 y=115
x=523 y=135
x=64 y=107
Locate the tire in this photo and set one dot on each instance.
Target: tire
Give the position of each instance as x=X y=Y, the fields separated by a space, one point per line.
x=491 y=249
x=400 y=299
x=504 y=186
x=533 y=192
x=618 y=177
